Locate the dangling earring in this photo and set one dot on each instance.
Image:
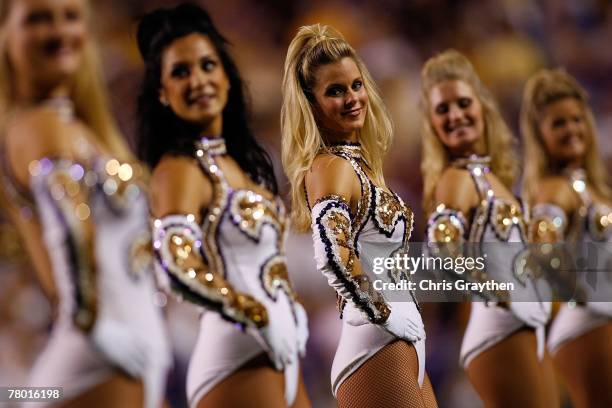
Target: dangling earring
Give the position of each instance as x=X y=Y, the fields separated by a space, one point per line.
x=163 y=100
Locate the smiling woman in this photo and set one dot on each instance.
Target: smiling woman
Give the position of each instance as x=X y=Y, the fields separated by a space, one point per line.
x=342 y=100
x=456 y=117
x=468 y=176
x=220 y=226
x=336 y=131
x=193 y=82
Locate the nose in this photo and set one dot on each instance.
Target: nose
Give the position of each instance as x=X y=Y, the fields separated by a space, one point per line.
x=455 y=113
x=350 y=99
x=198 y=78
x=572 y=127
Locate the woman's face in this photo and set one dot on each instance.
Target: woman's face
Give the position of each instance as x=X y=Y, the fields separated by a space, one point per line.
x=193 y=82
x=564 y=131
x=45 y=39
x=341 y=100
x=457 y=117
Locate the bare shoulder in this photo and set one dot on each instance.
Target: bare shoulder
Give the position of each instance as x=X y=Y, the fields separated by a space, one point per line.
x=178 y=186
x=38 y=133
x=330 y=174
x=556 y=190
x=456 y=190
x=41 y=129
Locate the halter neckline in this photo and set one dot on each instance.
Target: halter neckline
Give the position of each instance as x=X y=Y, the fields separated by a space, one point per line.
x=471 y=161
x=212 y=145
x=350 y=149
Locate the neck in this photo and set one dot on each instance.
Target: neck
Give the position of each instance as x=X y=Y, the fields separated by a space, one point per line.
x=571 y=165
x=29 y=92
x=335 y=137
x=478 y=148
x=213 y=129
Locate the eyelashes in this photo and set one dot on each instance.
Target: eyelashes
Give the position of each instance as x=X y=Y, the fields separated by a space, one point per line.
x=338 y=90
x=443 y=108
x=183 y=70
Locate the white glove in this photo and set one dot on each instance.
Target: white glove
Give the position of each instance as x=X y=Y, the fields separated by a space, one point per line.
x=302 y=327
x=534 y=314
x=120 y=346
x=292 y=376
x=154 y=386
x=282 y=341
x=279 y=337
x=405 y=321
x=602 y=308
x=354 y=316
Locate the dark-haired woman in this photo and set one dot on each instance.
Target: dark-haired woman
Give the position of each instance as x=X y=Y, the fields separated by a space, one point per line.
x=219 y=227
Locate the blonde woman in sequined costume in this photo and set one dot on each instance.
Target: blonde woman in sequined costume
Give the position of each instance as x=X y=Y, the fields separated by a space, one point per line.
x=335 y=132
x=71 y=187
x=468 y=173
x=566 y=184
x=219 y=227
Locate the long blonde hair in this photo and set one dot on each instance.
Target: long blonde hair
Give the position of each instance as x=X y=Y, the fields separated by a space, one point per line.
x=448 y=66
x=543 y=88
x=88 y=92
x=312 y=47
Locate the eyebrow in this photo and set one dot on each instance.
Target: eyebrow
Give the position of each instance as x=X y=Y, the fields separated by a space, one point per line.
x=200 y=58
x=359 y=78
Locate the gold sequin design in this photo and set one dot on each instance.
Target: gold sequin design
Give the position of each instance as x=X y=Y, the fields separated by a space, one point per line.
x=375 y=298
x=363 y=207
x=544 y=227
x=122 y=183
x=275 y=277
x=219 y=201
x=548 y=222
x=239 y=306
x=253 y=310
x=250 y=211
x=600 y=223
x=337 y=227
x=352 y=153
x=140 y=255
x=504 y=217
x=388 y=210
x=446 y=226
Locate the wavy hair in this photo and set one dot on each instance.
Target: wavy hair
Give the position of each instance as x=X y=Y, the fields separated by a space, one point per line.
x=451 y=65
x=542 y=89
x=312 y=47
x=87 y=92
x=160 y=130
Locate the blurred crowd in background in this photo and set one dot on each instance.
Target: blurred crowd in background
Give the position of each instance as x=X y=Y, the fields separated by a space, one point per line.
x=507 y=40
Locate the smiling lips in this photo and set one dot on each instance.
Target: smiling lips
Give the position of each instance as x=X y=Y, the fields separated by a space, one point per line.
x=571 y=140
x=353 y=113
x=463 y=125
x=200 y=99
x=57 y=48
